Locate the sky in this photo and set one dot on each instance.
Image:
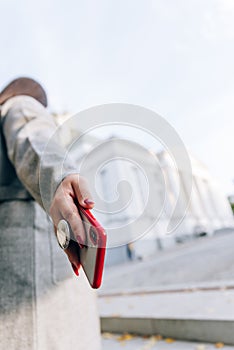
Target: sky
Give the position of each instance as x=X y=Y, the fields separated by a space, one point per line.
x=172 y=56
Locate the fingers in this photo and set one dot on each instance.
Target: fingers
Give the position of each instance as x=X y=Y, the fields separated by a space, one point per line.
x=68 y=211
x=81 y=190
x=64 y=206
x=72 y=216
x=74 y=220
x=72 y=190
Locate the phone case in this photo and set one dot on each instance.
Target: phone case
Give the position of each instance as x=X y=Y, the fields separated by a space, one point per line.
x=92 y=254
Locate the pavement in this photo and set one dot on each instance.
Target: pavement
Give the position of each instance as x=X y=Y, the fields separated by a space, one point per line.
x=204 y=260
x=128 y=342
x=201 y=310
x=196 y=305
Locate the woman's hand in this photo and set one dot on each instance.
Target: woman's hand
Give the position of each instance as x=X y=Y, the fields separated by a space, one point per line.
x=73 y=189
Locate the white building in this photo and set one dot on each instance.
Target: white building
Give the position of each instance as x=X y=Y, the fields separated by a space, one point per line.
x=135 y=191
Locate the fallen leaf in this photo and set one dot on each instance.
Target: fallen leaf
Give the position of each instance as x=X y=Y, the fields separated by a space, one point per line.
x=158 y=337
x=169 y=340
x=125 y=336
x=146 y=336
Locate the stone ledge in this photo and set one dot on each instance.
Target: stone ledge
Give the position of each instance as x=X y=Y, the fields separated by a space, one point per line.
x=186 y=329
x=195 y=315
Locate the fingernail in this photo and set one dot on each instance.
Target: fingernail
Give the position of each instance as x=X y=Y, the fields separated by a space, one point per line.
x=75 y=269
x=88 y=201
x=80 y=241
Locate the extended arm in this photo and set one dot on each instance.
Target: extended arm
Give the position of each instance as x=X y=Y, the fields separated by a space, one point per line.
x=51 y=178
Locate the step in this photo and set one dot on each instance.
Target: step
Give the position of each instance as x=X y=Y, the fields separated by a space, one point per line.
x=200 y=315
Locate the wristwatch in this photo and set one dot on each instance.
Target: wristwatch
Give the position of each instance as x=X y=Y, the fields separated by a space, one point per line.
x=63 y=234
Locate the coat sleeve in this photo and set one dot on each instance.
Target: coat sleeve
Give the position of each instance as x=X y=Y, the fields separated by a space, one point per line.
x=34 y=149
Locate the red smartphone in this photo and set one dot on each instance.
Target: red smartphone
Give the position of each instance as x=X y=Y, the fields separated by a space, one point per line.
x=92 y=254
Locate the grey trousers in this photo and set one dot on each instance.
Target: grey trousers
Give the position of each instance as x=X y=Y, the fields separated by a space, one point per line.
x=43 y=305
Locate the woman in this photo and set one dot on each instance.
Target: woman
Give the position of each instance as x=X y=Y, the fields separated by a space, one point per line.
x=43 y=305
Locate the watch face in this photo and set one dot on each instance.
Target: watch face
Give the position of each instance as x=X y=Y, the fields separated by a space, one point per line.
x=63 y=234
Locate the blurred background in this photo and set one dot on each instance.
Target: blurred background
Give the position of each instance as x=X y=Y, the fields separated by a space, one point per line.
x=174 y=57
